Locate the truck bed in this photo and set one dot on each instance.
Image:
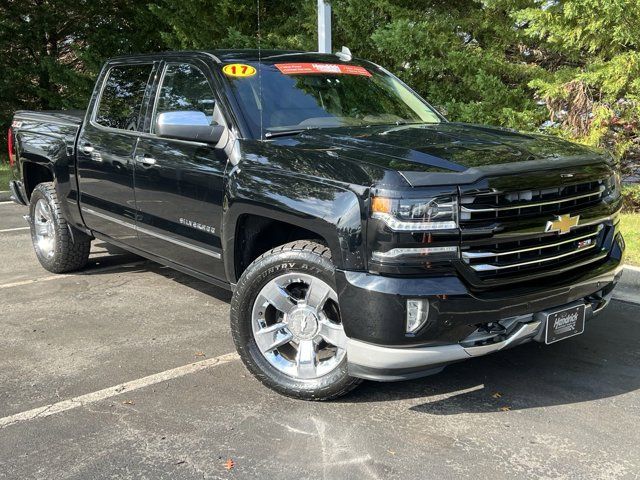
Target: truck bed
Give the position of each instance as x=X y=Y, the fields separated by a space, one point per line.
x=46 y=136
x=66 y=117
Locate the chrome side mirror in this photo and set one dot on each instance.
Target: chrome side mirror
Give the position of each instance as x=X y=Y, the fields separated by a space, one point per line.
x=188 y=125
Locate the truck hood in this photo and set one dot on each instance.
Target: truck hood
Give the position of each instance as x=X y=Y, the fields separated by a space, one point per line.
x=422 y=153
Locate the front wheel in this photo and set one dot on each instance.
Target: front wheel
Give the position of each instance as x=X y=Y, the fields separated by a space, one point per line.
x=59 y=247
x=286 y=323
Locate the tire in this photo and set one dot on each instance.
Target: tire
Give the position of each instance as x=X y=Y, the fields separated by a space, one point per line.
x=294 y=270
x=59 y=247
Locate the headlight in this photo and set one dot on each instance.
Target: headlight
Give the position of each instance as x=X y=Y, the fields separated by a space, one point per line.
x=416 y=215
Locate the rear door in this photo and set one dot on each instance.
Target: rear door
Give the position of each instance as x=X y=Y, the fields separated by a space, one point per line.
x=106 y=147
x=179 y=183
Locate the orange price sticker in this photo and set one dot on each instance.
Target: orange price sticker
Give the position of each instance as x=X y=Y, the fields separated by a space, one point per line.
x=239 y=70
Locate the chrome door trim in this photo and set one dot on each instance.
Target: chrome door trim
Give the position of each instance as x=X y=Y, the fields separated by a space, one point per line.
x=166 y=238
x=179 y=242
x=109 y=217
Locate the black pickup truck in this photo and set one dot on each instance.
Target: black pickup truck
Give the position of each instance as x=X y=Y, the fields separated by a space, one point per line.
x=363 y=235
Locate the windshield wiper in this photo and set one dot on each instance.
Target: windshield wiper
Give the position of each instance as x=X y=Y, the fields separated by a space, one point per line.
x=284 y=133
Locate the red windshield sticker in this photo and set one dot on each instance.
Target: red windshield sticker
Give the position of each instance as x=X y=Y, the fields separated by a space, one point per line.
x=311 y=68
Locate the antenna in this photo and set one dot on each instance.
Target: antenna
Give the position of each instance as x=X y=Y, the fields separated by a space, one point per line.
x=344 y=54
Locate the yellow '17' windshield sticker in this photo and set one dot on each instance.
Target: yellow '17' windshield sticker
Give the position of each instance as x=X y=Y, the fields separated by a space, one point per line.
x=239 y=70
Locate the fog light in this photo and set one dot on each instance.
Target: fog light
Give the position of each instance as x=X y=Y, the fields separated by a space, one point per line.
x=417 y=314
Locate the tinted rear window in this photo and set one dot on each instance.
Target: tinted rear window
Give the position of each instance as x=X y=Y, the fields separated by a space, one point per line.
x=122 y=97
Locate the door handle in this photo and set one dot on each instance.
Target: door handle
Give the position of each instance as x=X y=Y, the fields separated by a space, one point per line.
x=144 y=160
x=86 y=148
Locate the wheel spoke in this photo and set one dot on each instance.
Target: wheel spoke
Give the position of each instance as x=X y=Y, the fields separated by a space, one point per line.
x=317 y=294
x=46 y=212
x=39 y=213
x=278 y=297
x=42 y=212
x=272 y=337
x=333 y=333
x=306 y=359
x=41 y=228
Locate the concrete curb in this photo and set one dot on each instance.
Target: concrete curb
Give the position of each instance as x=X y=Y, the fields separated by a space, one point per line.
x=628 y=289
x=5 y=196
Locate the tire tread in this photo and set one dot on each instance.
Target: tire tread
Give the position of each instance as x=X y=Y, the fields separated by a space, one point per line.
x=72 y=249
x=302 y=247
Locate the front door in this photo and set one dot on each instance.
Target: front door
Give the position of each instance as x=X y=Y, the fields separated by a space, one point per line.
x=179 y=184
x=106 y=146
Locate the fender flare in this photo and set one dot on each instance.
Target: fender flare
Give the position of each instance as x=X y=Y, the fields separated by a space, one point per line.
x=332 y=212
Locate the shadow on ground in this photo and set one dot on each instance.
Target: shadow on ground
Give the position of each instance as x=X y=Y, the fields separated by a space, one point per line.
x=109 y=259
x=601 y=363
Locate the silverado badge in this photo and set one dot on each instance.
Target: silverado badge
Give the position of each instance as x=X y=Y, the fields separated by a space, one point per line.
x=562 y=224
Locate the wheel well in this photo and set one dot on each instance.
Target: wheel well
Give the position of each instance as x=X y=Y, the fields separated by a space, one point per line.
x=33 y=174
x=256 y=235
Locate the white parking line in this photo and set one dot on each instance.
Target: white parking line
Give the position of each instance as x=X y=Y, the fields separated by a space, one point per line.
x=27 y=282
x=8 y=202
x=79 y=274
x=109 y=392
x=14 y=229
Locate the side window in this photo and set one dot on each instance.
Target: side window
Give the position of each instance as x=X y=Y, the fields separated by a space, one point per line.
x=122 y=97
x=185 y=88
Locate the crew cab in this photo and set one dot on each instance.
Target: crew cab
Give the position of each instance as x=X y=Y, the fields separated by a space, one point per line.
x=363 y=235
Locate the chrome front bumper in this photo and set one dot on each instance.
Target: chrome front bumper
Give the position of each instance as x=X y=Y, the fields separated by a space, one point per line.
x=377 y=362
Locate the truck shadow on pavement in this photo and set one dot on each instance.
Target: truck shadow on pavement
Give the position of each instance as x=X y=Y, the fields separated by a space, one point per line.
x=117 y=260
x=601 y=363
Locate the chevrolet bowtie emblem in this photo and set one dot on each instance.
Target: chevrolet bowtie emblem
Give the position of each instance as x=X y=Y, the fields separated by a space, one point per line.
x=562 y=224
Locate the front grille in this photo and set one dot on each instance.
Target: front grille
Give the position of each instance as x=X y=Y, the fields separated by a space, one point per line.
x=541 y=252
x=498 y=228
x=487 y=206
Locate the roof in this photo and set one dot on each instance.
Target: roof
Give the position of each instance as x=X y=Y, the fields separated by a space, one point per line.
x=246 y=55
x=255 y=55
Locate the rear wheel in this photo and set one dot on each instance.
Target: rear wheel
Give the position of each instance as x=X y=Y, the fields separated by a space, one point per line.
x=59 y=247
x=286 y=323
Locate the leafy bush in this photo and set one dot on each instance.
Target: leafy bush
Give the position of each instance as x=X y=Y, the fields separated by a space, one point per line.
x=631 y=198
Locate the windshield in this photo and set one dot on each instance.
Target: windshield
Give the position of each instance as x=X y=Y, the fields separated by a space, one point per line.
x=298 y=96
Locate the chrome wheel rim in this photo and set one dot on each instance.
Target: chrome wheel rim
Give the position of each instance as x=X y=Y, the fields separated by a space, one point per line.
x=45 y=234
x=296 y=325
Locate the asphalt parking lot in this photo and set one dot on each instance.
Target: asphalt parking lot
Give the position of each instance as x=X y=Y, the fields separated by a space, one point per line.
x=98 y=380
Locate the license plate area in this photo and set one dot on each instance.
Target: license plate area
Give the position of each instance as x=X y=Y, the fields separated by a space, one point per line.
x=564 y=323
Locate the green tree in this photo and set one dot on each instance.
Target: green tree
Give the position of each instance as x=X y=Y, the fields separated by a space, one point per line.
x=51 y=50
x=455 y=53
x=210 y=24
x=591 y=79
x=570 y=64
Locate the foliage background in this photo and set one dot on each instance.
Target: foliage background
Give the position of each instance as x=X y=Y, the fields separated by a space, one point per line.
x=571 y=67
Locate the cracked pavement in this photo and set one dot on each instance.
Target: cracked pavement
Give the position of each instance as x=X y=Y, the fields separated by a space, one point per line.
x=569 y=410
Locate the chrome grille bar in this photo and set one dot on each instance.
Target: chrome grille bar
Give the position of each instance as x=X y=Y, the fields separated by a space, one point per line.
x=556 y=201
x=484 y=267
x=472 y=255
